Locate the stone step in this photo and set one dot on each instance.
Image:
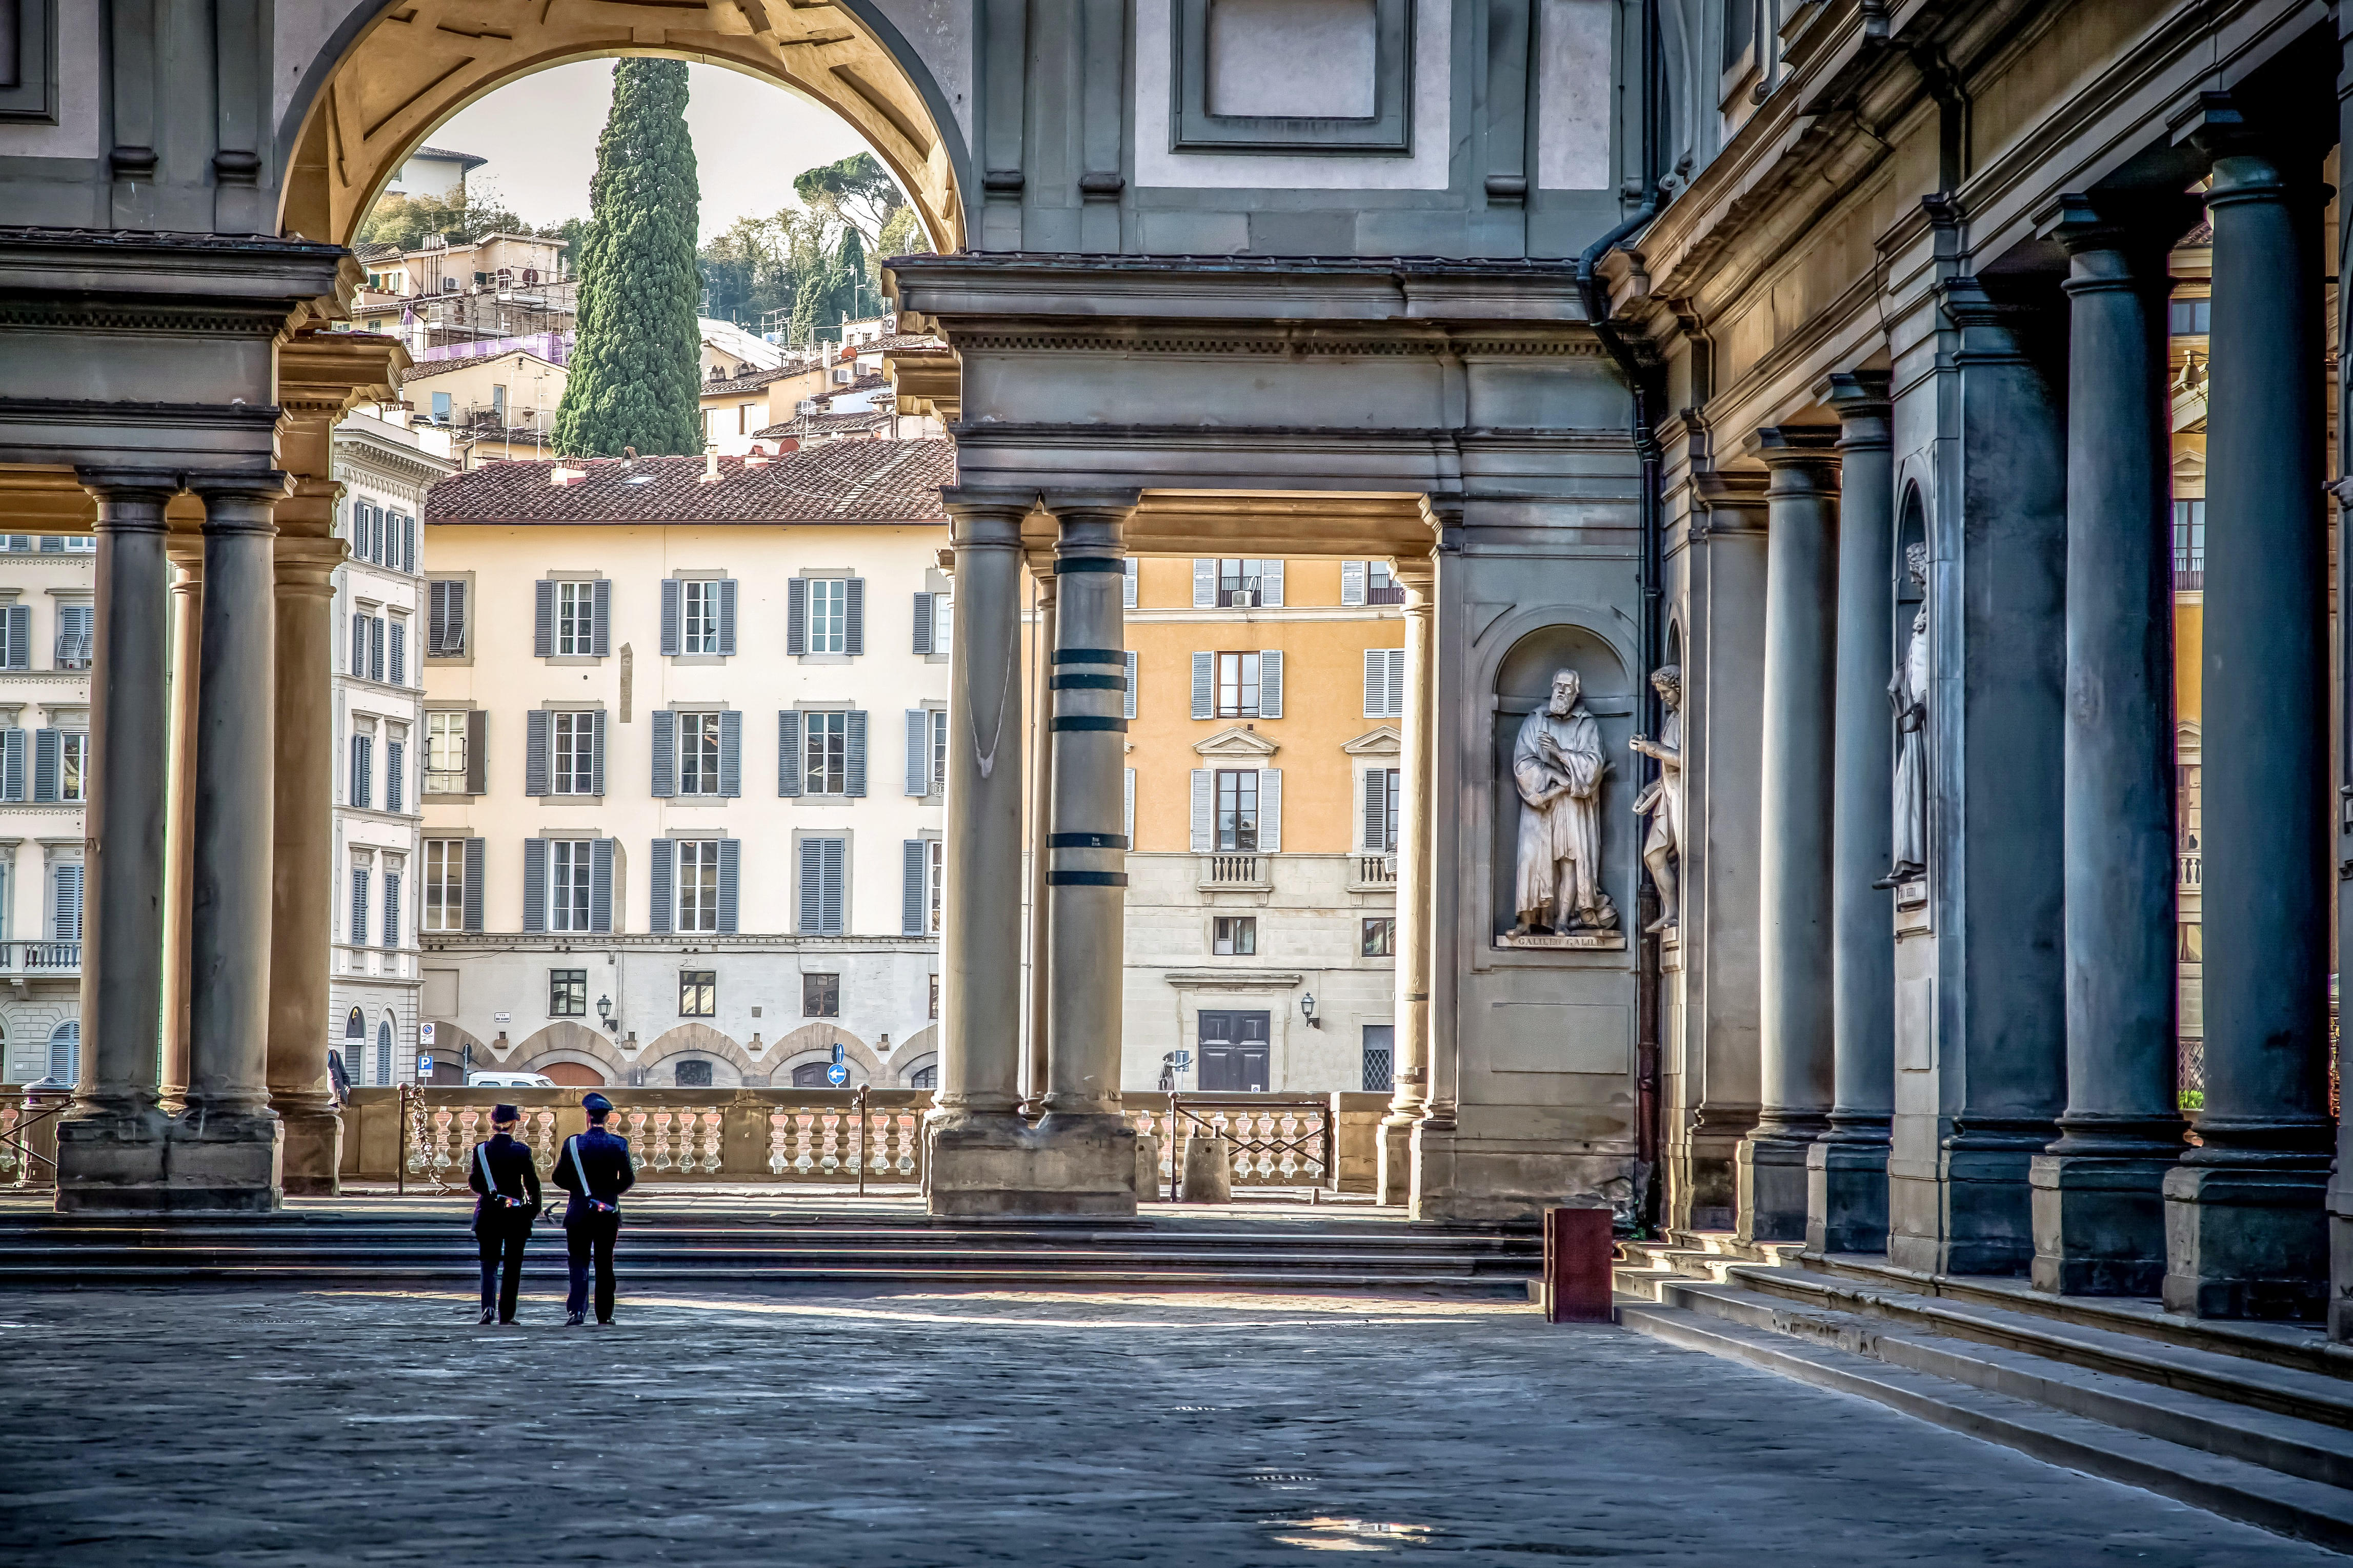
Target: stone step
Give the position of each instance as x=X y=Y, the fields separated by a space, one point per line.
x=1862 y=1358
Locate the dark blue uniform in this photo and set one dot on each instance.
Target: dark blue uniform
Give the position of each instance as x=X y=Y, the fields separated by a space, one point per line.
x=589 y=1231
x=503 y=1229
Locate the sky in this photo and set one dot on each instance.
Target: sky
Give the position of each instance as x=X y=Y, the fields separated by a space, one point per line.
x=751 y=137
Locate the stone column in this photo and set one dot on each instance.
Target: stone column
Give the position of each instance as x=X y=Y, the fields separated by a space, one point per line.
x=1087 y=1146
x=2099 y=1209
x=1041 y=804
x=1410 y=1058
x=1794 y=836
x=2340 y=1181
x=302 y=866
x=1846 y=1169
x=979 y=1159
x=2245 y=1230
x=227 y=1145
x=111 y=1142
x=188 y=631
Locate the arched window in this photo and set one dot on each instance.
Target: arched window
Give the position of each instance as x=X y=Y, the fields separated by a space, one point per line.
x=809 y=1075
x=926 y=1077
x=697 y=1075
x=65 y=1052
x=382 y=1051
x=356 y=1027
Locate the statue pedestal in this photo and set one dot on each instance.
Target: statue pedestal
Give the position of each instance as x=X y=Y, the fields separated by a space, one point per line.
x=1567 y=942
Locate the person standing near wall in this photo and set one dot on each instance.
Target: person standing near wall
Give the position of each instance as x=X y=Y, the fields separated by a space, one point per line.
x=508 y=1184
x=594 y=1167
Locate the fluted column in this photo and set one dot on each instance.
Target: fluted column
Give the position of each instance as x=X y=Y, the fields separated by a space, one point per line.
x=978 y=1161
x=227 y=1143
x=187 y=632
x=1846 y=1169
x=111 y=1145
x=2099 y=1208
x=301 y=866
x=1794 y=836
x=1090 y=1146
x=1410 y=1057
x=2245 y=1229
x=1041 y=798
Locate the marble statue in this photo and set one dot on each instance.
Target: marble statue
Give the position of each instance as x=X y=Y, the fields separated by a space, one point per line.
x=1559 y=766
x=1907 y=693
x=1664 y=799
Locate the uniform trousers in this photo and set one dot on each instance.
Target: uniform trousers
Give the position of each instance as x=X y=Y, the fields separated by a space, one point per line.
x=502 y=1241
x=587 y=1236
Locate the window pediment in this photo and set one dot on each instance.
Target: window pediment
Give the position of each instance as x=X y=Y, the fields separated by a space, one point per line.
x=1384 y=742
x=1236 y=741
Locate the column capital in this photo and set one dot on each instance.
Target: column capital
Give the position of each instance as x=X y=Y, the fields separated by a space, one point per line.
x=987 y=514
x=153 y=487
x=251 y=484
x=307 y=566
x=1860 y=399
x=1417 y=574
x=1090 y=524
x=241 y=503
x=1110 y=504
x=1801 y=459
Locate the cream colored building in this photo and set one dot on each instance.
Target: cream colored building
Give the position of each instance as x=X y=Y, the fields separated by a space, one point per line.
x=681 y=788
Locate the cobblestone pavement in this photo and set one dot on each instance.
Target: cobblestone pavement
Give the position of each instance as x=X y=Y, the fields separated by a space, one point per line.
x=820 y=1431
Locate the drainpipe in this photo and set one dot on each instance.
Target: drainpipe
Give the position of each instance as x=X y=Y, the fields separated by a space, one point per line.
x=1647 y=385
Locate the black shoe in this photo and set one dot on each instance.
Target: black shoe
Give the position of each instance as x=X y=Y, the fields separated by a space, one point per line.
x=489 y=1314
x=604 y=1323
x=574 y=1320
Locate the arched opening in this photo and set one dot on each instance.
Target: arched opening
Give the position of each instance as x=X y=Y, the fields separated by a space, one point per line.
x=392 y=79
x=65 y=1052
x=383 y=1051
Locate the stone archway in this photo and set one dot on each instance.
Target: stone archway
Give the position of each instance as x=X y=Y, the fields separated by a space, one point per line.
x=814 y=1042
x=566 y=1041
x=694 y=1041
x=393 y=73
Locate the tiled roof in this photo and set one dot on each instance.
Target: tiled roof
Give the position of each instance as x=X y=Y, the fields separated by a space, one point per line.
x=826 y=425
x=471 y=160
x=432 y=367
x=753 y=382
x=376 y=250
x=841 y=481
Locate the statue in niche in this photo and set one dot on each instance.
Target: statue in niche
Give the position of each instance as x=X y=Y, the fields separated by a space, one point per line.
x=1557 y=764
x=1663 y=800
x=1907 y=693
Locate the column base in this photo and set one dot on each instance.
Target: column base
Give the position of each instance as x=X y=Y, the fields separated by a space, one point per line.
x=2247 y=1241
x=1393 y=1170
x=2099 y=1223
x=1462 y=1178
x=2340 y=1258
x=997 y=1167
x=1846 y=1194
x=314 y=1153
x=1983 y=1209
x=1704 y=1176
x=1770 y=1171
x=152 y=1163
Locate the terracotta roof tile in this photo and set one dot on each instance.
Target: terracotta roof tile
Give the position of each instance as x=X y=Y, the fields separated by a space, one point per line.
x=827 y=424
x=840 y=482
x=753 y=382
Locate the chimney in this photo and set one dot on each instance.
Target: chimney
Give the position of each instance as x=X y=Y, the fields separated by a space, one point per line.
x=710 y=465
x=559 y=476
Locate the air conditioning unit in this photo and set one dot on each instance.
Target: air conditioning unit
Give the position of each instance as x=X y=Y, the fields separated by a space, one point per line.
x=805 y=409
x=842 y=373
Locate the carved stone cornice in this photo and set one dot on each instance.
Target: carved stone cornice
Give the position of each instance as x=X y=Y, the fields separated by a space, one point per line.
x=101 y=280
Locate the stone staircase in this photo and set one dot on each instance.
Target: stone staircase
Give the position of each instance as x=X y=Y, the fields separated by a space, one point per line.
x=2251 y=1421
x=419 y=1245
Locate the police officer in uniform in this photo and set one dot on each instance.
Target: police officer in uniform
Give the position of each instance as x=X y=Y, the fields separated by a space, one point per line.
x=507 y=1182
x=594 y=1167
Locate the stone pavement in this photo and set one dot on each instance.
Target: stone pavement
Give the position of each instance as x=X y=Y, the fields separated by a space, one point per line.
x=825 y=1431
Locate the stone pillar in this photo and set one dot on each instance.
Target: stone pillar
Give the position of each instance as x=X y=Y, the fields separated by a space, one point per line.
x=2245 y=1230
x=979 y=1159
x=2099 y=1209
x=188 y=631
x=1795 y=990
x=1086 y=1145
x=227 y=1145
x=1846 y=1169
x=111 y=1144
x=1711 y=1061
x=1410 y=1058
x=2340 y=1181
x=1041 y=806
x=302 y=866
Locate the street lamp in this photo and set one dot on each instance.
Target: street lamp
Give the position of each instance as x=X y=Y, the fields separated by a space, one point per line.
x=604 y=1011
x=1307 y=1009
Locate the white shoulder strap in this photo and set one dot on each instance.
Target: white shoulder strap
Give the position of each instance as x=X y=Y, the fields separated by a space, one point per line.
x=578 y=1168
x=482 y=1154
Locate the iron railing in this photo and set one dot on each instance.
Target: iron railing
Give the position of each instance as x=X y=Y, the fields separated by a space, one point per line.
x=1278 y=1141
x=28 y=1135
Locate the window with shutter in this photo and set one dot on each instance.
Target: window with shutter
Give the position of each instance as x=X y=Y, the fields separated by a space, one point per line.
x=445 y=885
x=478 y=751
x=1205 y=686
x=376 y=647
x=796 y=608
x=77 y=636
x=537 y=747
x=1128 y=709
x=395 y=754
x=1351 y=582
x=854 y=601
x=855 y=783
x=1204 y=811
x=1205 y=584
x=731 y=754
x=17 y=637
x=1270 y=683
x=543 y=619
x=1239 y=676
x=923 y=623
x=363 y=780
x=662 y=907
x=359 y=647
x=359 y=916
x=697 y=881
x=12 y=765
x=1384 y=682
x=600 y=636
x=445 y=619
x=825 y=753
x=46 y=750
x=823 y=892
x=1375 y=813
x=919 y=752
x=534 y=884
x=391 y=908
x=673 y=611
x=665 y=746
x=727 y=617
x=474 y=884
x=788 y=752
x=601 y=886
x=64 y=905
x=911 y=888
x=398 y=673
x=596 y=765
x=731 y=863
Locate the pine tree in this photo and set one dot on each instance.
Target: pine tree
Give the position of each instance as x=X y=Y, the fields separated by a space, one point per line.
x=635 y=378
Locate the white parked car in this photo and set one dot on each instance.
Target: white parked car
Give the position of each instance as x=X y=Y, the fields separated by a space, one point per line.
x=509 y=1080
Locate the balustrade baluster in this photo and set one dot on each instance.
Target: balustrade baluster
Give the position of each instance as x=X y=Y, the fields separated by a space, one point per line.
x=712 y=1122
x=661 y=1140
x=780 y=1128
x=805 y=1132
x=636 y=1139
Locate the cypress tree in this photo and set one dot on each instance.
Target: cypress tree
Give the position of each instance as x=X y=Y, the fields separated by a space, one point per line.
x=636 y=376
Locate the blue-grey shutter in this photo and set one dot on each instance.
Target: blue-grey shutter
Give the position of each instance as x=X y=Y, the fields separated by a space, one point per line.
x=597 y=766
x=1205 y=811
x=663 y=880
x=356 y=774
x=812 y=888
x=359 y=647
x=542 y=624
x=391 y=908
x=834 y=917
x=731 y=754
x=66 y=909
x=854 y=620
x=20 y=650
x=727 y=617
x=796 y=616
x=600 y=629
x=356 y=933
x=1128 y=709
x=53 y=544
x=1127 y=584
x=731 y=860
x=600 y=885
x=409 y=541
x=12 y=764
x=919 y=752
x=1205 y=686
x=376 y=647
x=1269 y=810
x=395 y=759
x=45 y=759
x=400 y=653
x=534 y=884
x=788 y=752
x=670 y=643
x=536 y=745
x=1270 y=683
x=857 y=751
x=910 y=892
x=473 y=912
x=665 y=753
x=923 y=623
